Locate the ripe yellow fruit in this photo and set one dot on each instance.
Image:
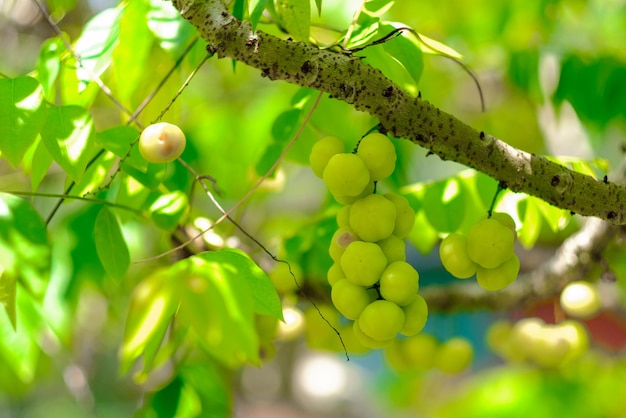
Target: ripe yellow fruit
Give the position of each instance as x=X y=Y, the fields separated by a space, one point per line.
x=162 y=142
x=580 y=299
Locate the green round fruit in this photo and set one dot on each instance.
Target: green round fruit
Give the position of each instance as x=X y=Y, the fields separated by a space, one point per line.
x=343 y=216
x=499 y=277
x=335 y=273
x=322 y=151
x=421 y=351
x=368 y=341
x=346 y=175
x=405 y=215
x=363 y=263
x=340 y=241
x=379 y=155
x=161 y=142
x=489 y=243
x=415 y=316
x=381 y=320
x=576 y=335
x=394 y=248
x=349 y=200
x=373 y=218
x=505 y=219
x=453 y=255
x=454 y=355
x=580 y=299
x=349 y=298
x=399 y=283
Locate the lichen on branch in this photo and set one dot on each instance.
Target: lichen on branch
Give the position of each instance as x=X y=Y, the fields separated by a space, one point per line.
x=347 y=78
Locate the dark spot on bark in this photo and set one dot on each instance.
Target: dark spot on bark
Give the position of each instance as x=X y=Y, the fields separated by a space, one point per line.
x=224 y=14
x=419 y=94
x=388 y=91
x=482 y=135
x=429 y=153
x=571 y=212
x=611 y=215
x=265 y=72
x=503 y=184
x=306 y=67
x=605 y=180
x=555 y=181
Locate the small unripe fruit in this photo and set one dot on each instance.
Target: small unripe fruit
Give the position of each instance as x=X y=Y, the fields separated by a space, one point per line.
x=580 y=299
x=162 y=142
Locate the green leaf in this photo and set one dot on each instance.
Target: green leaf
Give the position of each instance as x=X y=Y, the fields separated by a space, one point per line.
x=130 y=58
x=238 y=9
x=271 y=154
x=266 y=300
x=168 y=209
x=49 y=65
x=69 y=137
x=151 y=308
x=22 y=114
x=24 y=247
x=377 y=8
x=257 y=12
x=405 y=49
x=96 y=43
x=444 y=204
x=95 y=175
x=286 y=125
x=39 y=166
x=119 y=140
x=19 y=349
x=7 y=295
x=217 y=303
x=110 y=244
x=530 y=216
x=295 y=16
x=168 y=27
x=318 y=4
x=430 y=46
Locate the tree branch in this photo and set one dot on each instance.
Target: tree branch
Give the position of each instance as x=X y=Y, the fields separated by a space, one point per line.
x=347 y=78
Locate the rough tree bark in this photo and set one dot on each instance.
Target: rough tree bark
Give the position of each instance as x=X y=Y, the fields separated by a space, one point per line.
x=347 y=78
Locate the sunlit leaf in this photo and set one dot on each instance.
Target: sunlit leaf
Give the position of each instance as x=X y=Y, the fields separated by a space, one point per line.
x=22 y=114
x=296 y=17
x=218 y=305
x=152 y=305
x=168 y=209
x=405 y=49
x=257 y=8
x=69 y=137
x=96 y=43
x=444 y=204
x=266 y=300
x=94 y=177
x=49 y=65
x=430 y=46
x=118 y=140
x=531 y=221
x=24 y=247
x=168 y=27
x=7 y=295
x=377 y=8
x=110 y=244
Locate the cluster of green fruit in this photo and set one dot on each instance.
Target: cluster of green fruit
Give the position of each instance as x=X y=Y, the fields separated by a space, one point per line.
x=534 y=341
x=486 y=251
x=371 y=281
x=423 y=352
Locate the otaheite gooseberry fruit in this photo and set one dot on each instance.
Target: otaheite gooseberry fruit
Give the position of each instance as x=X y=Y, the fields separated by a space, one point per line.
x=580 y=299
x=489 y=243
x=454 y=355
x=453 y=255
x=379 y=155
x=162 y=142
x=346 y=175
x=322 y=151
x=363 y=262
x=500 y=277
x=349 y=299
x=373 y=218
x=399 y=283
x=381 y=320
